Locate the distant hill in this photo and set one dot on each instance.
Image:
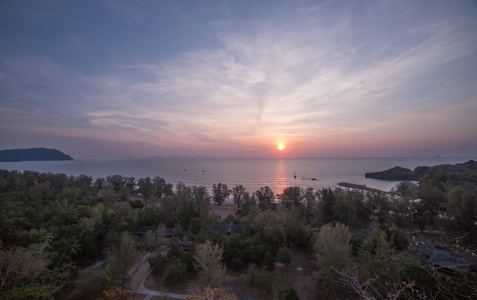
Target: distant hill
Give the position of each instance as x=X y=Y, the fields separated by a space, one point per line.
x=437 y=175
x=399 y=174
x=32 y=154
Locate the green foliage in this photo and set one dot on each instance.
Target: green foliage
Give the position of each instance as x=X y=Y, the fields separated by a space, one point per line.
x=244 y=279
x=157 y=263
x=237 y=250
x=31 y=291
x=327 y=202
x=161 y=187
x=106 y=277
x=146 y=187
x=333 y=255
x=269 y=229
x=176 y=272
x=265 y=279
x=220 y=192
x=121 y=258
x=265 y=197
x=310 y=205
x=137 y=204
x=284 y=256
x=288 y=294
x=238 y=192
x=291 y=196
x=59 y=221
x=462 y=206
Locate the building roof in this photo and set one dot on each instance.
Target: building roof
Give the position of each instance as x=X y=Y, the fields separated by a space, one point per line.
x=228 y=228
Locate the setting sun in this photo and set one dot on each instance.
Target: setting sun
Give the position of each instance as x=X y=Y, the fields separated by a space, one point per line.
x=281 y=147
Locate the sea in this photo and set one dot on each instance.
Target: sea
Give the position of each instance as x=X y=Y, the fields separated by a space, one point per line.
x=252 y=173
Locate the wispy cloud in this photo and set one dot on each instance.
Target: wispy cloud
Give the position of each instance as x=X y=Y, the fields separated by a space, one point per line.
x=318 y=72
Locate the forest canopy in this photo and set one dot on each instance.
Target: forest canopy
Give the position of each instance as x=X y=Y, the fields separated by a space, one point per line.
x=54 y=228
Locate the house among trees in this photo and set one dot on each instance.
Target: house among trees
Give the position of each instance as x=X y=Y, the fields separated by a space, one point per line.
x=446 y=262
x=142 y=230
x=186 y=244
x=228 y=229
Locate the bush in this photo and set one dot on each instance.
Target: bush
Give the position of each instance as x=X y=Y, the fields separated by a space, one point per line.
x=177 y=272
x=157 y=264
x=265 y=279
x=244 y=279
x=288 y=294
x=31 y=291
x=399 y=241
x=284 y=256
x=136 y=204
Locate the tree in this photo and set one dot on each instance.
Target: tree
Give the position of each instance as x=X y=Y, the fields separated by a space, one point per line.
x=333 y=255
x=462 y=206
x=326 y=205
x=343 y=210
x=146 y=187
x=117 y=181
x=182 y=190
x=431 y=200
x=288 y=294
x=176 y=272
x=121 y=258
x=265 y=197
x=220 y=192
x=405 y=189
x=266 y=280
x=270 y=231
x=381 y=273
x=208 y=263
x=237 y=250
x=247 y=204
x=161 y=187
x=379 y=205
x=238 y=191
x=19 y=267
x=201 y=205
x=291 y=196
x=310 y=205
x=108 y=194
x=99 y=183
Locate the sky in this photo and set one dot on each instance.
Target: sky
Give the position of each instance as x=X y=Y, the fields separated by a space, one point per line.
x=129 y=79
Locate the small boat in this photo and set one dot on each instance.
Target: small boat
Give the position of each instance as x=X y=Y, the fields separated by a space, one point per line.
x=294 y=175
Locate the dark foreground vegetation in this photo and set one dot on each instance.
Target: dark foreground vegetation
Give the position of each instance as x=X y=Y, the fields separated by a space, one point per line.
x=75 y=237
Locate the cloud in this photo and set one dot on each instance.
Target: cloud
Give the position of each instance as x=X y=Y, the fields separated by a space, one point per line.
x=322 y=72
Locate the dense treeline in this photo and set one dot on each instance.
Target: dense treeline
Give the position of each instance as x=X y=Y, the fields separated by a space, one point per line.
x=53 y=227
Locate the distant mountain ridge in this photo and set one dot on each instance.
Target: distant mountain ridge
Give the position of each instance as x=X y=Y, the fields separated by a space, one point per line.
x=32 y=154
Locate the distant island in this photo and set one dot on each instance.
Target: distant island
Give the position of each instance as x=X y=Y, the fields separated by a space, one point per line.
x=399 y=174
x=423 y=173
x=32 y=154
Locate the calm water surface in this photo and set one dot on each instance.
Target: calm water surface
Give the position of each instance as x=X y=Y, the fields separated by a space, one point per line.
x=252 y=173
